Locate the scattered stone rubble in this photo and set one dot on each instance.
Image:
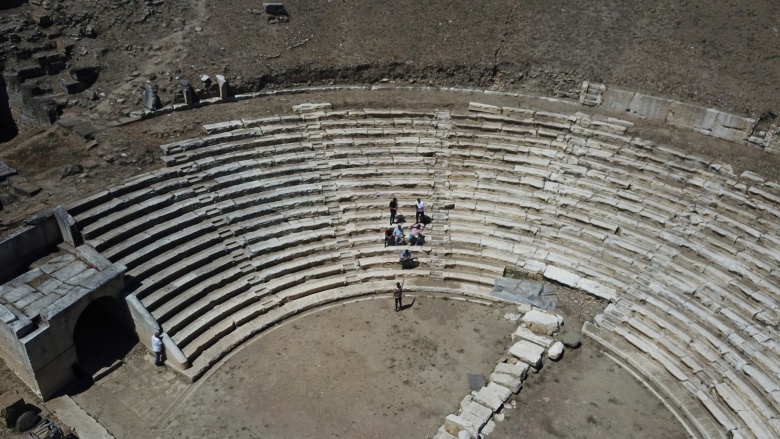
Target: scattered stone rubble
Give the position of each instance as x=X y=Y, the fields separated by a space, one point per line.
x=480 y=410
x=16 y=413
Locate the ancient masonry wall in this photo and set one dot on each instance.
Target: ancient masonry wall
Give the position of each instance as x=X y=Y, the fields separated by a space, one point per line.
x=28 y=111
x=26 y=245
x=8 y=127
x=39 y=308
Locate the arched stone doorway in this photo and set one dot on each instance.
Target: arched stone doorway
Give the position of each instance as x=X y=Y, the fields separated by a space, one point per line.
x=103 y=334
x=8 y=129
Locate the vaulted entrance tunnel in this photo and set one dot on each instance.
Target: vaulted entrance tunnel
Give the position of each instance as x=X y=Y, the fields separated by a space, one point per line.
x=103 y=334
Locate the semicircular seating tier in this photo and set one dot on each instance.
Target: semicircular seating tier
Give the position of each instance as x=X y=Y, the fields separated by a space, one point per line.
x=264 y=218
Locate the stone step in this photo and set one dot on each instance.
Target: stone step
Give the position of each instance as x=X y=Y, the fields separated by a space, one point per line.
x=201 y=311
x=703 y=422
x=149 y=279
x=165 y=251
x=173 y=298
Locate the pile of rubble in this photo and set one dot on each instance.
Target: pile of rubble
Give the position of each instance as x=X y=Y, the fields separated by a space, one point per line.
x=535 y=339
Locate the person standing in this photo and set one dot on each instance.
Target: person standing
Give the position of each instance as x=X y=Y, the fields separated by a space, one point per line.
x=393 y=210
x=398 y=295
x=157 y=348
x=420 y=210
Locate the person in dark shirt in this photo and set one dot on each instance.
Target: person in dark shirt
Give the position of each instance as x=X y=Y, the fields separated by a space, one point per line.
x=393 y=210
x=398 y=295
x=389 y=240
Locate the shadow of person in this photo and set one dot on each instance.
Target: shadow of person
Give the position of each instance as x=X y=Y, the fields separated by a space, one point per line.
x=408 y=265
x=408 y=305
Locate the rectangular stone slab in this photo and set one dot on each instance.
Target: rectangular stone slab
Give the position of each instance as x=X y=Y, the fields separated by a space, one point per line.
x=489 y=399
x=455 y=424
x=527 y=352
x=541 y=322
x=510 y=382
x=519 y=370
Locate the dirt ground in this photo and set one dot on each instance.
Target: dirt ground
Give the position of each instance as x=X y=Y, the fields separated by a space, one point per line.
x=586 y=395
x=360 y=370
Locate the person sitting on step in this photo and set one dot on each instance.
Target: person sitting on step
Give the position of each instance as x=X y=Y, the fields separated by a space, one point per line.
x=406 y=260
x=399 y=235
x=389 y=236
x=415 y=235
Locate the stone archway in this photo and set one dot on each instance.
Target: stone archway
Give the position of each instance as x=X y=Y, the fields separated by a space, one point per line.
x=103 y=334
x=8 y=129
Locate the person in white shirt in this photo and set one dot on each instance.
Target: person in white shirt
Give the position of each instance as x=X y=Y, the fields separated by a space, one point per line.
x=157 y=348
x=420 y=210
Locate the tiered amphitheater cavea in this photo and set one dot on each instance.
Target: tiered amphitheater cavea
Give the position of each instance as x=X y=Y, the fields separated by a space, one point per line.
x=263 y=218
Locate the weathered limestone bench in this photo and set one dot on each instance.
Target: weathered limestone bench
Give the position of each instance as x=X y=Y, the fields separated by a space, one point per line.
x=275 y=215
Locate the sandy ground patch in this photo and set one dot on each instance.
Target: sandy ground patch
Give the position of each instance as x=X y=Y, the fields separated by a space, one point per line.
x=361 y=370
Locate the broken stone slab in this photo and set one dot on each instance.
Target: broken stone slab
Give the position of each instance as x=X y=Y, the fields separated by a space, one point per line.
x=488 y=399
x=220 y=127
x=484 y=108
x=274 y=8
x=67 y=171
x=190 y=97
x=526 y=334
x=224 y=92
x=43 y=20
x=84 y=73
x=442 y=434
x=488 y=428
x=72 y=87
x=561 y=276
x=31 y=72
x=499 y=390
x=6 y=171
x=556 y=351
x=65 y=47
x=519 y=370
x=302 y=108
x=467 y=400
x=454 y=425
x=25 y=189
x=11 y=407
x=150 y=99
x=541 y=322
x=477 y=414
x=510 y=382
x=527 y=352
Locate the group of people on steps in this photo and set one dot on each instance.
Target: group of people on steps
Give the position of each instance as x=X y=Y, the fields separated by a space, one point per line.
x=396 y=236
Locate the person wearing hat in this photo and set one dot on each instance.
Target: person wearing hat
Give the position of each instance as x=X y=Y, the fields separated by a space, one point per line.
x=157 y=348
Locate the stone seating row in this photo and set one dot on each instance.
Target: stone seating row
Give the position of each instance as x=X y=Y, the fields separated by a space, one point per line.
x=572 y=266
x=275 y=313
x=631 y=253
x=369 y=116
x=649 y=213
x=736 y=392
